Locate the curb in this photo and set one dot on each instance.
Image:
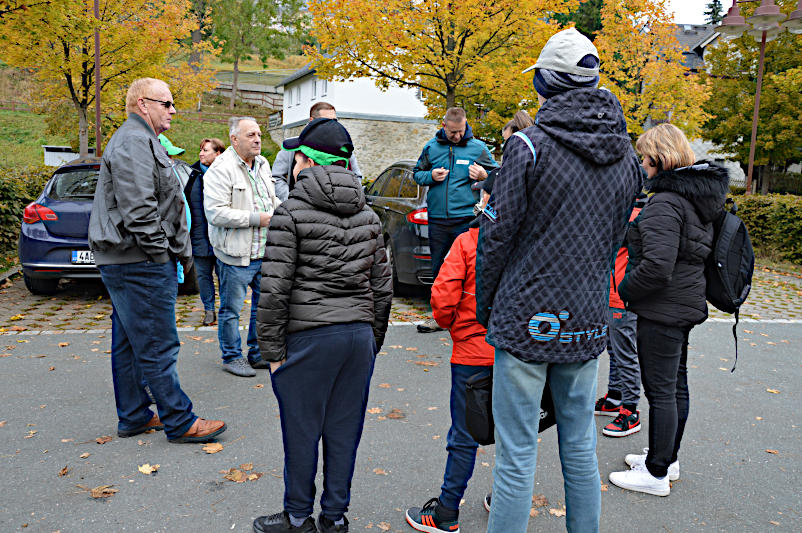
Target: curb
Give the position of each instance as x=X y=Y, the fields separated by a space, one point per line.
x=10 y=272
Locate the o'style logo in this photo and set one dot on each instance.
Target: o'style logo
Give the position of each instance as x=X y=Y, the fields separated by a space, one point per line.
x=545 y=327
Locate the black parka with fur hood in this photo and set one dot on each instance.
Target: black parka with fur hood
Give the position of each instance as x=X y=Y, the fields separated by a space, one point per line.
x=324 y=263
x=669 y=242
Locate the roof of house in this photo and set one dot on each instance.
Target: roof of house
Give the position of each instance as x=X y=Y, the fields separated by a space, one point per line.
x=693 y=38
x=298 y=74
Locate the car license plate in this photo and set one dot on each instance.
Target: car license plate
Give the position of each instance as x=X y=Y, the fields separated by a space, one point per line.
x=83 y=257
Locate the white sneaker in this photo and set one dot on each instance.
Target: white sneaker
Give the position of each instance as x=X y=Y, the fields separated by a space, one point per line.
x=633 y=459
x=639 y=479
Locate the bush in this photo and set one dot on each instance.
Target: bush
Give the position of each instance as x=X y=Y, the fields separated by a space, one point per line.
x=785 y=182
x=775 y=225
x=18 y=188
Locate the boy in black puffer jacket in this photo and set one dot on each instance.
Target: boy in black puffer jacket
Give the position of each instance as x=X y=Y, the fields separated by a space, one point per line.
x=325 y=301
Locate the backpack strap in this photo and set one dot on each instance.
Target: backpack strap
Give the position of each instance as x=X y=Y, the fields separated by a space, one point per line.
x=528 y=142
x=735 y=336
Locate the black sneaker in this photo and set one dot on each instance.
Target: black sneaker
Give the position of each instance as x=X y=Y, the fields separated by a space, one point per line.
x=605 y=407
x=430 y=326
x=426 y=519
x=261 y=364
x=626 y=423
x=324 y=525
x=280 y=522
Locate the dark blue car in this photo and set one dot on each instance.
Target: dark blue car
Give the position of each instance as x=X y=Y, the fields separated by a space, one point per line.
x=401 y=206
x=53 y=242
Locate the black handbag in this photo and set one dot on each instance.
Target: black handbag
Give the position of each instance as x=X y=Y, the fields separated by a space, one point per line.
x=479 y=409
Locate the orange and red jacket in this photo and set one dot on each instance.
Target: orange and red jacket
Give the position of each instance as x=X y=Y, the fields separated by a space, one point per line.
x=454 y=303
x=620 y=269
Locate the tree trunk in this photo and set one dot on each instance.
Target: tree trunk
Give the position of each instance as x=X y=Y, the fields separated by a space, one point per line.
x=83 y=131
x=451 y=97
x=234 y=84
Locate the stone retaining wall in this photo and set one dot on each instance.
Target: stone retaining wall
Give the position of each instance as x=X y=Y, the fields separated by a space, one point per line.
x=377 y=143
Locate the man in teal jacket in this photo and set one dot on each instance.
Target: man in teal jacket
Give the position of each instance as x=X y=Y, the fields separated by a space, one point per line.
x=452 y=164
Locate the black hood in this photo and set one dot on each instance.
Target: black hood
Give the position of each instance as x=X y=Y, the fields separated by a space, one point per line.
x=330 y=188
x=589 y=122
x=704 y=184
x=442 y=139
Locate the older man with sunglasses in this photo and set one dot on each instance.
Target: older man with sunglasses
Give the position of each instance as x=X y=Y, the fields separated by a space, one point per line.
x=138 y=233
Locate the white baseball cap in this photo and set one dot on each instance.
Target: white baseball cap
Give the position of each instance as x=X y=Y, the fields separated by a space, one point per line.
x=564 y=51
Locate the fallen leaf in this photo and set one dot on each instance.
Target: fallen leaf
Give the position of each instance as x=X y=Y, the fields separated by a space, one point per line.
x=246 y=466
x=426 y=363
x=396 y=346
x=18 y=328
x=773 y=391
x=400 y=390
x=236 y=475
x=435 y=437
x=31 y=433
x=103 y=440
x=2 y=423
x=384 y=526
x=772 y=343
x=63 y=344
x=52 y=368
x=147 y=469
x=774 y=523
x=213 y=447
x=748 y=331
x=604 y=487
x=411 y=349
x=758 y=418
x=533 y=512
x=773 y=452
x=195 y=338
x=254 y=476
x=374 y=410
x=103 y=491
x=16 y=317
x=84 y=455
x=67 y=440
x=431 y=408
x=396 y=414
x=539 y=500
x=722 y=368
x=380 y=471
x=381 y=418
x=557 y=512
x=259 y=386
x=64 y=471
x=384 y=385
x=485 y=463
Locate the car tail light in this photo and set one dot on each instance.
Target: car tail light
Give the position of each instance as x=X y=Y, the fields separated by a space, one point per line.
x=34 y=213
x=418 y=216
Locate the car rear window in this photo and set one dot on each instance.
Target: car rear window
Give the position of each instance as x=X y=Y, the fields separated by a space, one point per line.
x=77 y=184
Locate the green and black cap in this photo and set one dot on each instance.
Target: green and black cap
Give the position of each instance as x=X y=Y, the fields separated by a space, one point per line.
x=324 y=141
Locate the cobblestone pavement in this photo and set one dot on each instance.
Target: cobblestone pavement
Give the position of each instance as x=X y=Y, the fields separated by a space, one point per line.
x=81 y=305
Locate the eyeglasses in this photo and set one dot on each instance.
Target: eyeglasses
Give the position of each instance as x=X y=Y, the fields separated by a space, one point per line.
x=166 y=103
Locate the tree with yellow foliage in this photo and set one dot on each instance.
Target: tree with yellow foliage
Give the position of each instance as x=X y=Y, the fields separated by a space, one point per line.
x=137 y=38
x=641 y=63
x=469 y=53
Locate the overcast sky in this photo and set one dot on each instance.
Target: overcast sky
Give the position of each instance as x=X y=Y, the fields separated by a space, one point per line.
x=691 y=11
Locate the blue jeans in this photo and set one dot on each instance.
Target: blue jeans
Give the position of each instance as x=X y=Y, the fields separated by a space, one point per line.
x=460 y=445
x=623 y=351
x=442 y=234
x=322 y=392
x=144 y=344
x=234 y=282
x=204 y=266
x=517 y=390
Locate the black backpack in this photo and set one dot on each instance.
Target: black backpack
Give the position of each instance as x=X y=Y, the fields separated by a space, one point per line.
x=729 y=268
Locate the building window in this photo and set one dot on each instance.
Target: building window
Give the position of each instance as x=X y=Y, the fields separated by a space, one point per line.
x=324 y=87
x=298 y=95
x=314 y=89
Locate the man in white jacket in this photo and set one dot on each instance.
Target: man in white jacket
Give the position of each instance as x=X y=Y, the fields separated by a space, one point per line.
x=239 y=200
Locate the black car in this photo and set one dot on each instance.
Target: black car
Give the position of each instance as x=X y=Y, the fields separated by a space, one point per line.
x=401 y=206
x=53 y=242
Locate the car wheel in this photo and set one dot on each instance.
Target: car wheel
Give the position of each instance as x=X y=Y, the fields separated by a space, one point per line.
x=190 y=285
x=40 y=286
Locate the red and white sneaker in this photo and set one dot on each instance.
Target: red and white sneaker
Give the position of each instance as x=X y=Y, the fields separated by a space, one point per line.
x=605 y=407
x=626 y=423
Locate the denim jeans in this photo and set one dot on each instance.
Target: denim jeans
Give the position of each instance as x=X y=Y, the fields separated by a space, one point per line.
x=517 y=390
x=234 y=283
x=623 y=351
x=663 y=356
x=204 y=266
x=442 y=234
x=322 y=392
x=460 y=445
x=144 y=344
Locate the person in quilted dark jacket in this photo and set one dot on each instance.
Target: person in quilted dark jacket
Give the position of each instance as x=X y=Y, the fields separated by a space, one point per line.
x=324 y=305
x=561 y=204
x=665 y=285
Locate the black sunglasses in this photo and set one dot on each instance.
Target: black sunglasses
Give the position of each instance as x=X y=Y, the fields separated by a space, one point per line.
x=166 y=103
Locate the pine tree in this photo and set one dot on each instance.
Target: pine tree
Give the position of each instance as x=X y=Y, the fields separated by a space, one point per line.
x=713 y=14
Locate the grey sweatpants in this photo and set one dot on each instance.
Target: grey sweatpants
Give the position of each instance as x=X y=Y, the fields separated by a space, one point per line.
x=622 y=348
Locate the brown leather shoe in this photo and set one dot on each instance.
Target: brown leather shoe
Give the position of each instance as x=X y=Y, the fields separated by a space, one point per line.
x=202 y=430
x=154 y=423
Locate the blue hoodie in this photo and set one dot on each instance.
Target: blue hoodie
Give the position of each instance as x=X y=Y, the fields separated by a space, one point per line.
x=452 y=197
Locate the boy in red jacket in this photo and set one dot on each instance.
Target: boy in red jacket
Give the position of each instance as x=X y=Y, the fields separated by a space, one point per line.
x=454 y=308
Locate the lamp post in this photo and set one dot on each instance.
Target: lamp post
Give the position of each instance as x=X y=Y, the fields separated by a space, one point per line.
x=98 y=143
x=764 y=26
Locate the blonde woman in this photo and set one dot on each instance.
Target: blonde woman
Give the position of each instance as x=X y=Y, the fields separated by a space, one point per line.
x=665 y=285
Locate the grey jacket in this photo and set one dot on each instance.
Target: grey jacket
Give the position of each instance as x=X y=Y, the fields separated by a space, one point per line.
x=283 y=163
x=138 y=213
